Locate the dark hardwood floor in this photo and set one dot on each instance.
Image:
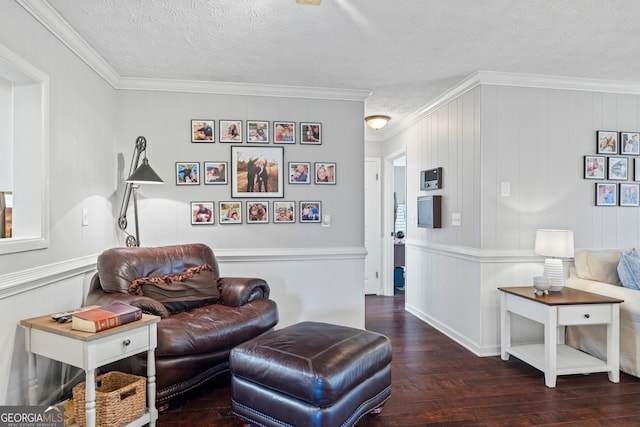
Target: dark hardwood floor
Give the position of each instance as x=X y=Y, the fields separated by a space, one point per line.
x=437 y=382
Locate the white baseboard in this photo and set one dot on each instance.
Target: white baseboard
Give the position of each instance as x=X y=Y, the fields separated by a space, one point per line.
x=454 y=335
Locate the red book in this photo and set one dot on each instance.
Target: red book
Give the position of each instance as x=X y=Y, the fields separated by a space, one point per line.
x=101 y=318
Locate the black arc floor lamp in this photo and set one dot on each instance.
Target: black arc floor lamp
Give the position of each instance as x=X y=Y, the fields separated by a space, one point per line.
x=137 y=175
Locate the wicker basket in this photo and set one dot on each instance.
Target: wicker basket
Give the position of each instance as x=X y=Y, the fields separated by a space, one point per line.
x=120 y=399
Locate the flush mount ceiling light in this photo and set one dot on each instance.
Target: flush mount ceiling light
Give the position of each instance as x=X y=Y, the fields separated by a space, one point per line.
x=316 y=2
x=377 y=122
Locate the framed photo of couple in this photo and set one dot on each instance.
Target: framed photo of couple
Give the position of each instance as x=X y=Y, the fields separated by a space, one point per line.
x=325 y=173
x=630 y=143
x=629 y=194
x=606 y=194
x=607 y=142
x=257 y=171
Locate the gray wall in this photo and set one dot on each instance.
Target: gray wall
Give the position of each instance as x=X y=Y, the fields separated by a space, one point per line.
x=164 y=119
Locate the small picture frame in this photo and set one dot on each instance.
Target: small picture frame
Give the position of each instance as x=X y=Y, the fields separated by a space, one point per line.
x=216 y=173
x=636 y=169
x=284 y=212
x=310 y=133
x=230 y=212
x=630 y=143
x=202 y=213
x=618 y=168
x=310 y=211
x=202 y=130
x=187 y=173
x=629 y=194
x=607 y=142
x=299 y=173
x=284 y=132
x=325 y=173
x=606 y=194
x=594 y=167
x=230 y=131
x=257 y=212
x=257 y=132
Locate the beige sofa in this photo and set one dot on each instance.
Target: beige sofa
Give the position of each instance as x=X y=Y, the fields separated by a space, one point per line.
x=596 y=271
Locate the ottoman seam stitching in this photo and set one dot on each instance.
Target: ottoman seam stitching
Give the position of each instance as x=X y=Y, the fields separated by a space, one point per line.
x=348 y=423
x=282 y=423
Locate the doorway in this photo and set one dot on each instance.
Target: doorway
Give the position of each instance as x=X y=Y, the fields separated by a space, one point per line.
x=399 y=224
x=394 y=197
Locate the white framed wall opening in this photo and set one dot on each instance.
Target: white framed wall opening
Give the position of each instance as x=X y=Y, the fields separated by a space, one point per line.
x=24 y=129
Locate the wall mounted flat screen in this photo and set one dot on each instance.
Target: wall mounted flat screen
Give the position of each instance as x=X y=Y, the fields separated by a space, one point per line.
x=430 y=211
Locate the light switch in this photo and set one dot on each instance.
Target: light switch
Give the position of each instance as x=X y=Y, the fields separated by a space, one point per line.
x=505 y=189
x=85 y=217
x=326 y=220
x=456 y=220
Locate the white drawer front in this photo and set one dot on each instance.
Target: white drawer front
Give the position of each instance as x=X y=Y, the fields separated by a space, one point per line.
x=123 y=345
x=587 y=314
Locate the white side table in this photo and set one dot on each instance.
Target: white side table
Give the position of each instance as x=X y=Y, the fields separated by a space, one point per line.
x=555 y=311
x=89 y=351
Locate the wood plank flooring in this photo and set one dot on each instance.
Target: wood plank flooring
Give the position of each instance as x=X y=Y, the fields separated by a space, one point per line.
x=437 y=382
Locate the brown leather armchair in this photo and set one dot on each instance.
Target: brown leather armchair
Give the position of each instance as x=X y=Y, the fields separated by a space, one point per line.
x=193 y=344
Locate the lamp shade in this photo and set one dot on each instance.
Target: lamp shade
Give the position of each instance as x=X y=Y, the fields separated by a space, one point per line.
x=554 y=243
x=377 y=122
x=144 y=175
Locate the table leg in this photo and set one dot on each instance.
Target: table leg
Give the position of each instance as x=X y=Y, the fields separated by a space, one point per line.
x=32 y=380
x=613 y=344
x=151 y=387
x=550 y=348
x=505 y=320
x=90 y=397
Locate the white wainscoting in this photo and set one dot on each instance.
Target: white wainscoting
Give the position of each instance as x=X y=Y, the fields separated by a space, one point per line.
x=455 y=290
x=322 y=284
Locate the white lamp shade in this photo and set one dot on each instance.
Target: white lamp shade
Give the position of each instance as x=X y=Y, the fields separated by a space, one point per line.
x=554 y=243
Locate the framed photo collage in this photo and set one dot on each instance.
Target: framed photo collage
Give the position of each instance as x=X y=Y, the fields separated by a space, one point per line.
x=615 y=152
x=255 y=169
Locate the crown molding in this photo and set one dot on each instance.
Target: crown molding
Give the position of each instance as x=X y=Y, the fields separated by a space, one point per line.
x=495 y=78
x=247 y=89
x=52 y=21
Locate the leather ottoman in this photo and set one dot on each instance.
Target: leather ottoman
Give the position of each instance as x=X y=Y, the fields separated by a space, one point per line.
x=310 y=374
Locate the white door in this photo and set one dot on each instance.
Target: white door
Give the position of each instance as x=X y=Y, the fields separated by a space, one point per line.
x=372 y=227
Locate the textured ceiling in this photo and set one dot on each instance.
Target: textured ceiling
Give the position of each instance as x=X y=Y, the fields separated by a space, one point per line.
x=406 y=52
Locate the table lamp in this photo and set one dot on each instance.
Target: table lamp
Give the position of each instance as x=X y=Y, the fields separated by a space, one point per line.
x=554 y=244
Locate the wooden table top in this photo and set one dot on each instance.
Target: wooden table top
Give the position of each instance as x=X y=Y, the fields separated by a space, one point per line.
x=567 y=296
x=47 y=324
